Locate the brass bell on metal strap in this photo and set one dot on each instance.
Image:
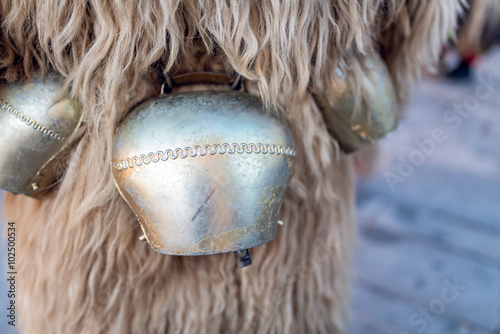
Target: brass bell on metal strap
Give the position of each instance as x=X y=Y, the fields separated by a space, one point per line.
x=205 y=172
x=35 y=131
x=377 y=116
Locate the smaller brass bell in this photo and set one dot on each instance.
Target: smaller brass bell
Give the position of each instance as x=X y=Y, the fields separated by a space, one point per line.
x=205 y=172
x=377 y=117
x=34 y=131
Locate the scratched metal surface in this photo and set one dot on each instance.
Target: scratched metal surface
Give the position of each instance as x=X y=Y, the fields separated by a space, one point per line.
x=205 y=172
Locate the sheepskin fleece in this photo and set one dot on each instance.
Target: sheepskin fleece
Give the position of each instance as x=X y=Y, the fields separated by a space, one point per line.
x=81 y=268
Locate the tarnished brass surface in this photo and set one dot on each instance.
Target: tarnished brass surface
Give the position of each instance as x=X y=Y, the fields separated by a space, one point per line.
x=34 y=129
x=377 y=116
x=205 y=172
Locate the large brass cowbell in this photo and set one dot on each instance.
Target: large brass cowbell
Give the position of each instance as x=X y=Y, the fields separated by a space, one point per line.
x=205 y=172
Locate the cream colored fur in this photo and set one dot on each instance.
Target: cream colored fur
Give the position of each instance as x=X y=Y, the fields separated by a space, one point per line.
x=81 y=267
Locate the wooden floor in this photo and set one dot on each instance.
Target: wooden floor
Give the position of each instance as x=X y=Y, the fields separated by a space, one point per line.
x=428 y=258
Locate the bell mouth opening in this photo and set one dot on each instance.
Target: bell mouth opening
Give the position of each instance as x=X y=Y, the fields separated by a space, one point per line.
x=197 y=250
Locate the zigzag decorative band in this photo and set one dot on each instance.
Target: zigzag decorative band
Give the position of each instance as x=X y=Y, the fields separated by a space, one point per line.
x=30 y=122
x=202 y=151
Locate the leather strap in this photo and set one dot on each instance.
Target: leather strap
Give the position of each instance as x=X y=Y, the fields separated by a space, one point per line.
x=194 y=78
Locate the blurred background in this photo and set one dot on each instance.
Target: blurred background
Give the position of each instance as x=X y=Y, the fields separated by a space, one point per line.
x=428 y=253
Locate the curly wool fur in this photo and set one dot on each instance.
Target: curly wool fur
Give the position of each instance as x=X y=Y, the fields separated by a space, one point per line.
x=81 y=269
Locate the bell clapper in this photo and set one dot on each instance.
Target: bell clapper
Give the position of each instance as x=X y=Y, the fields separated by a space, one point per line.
x=243 y=258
